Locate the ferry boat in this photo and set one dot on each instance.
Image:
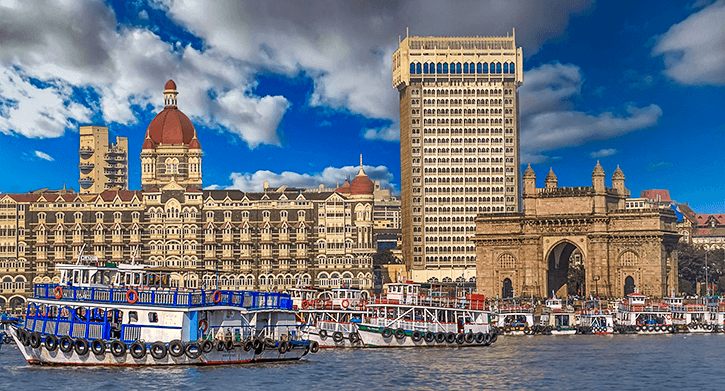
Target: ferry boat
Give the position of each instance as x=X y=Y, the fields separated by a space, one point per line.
x=691 y=317
x=330 y=317
x=593 y=319
x=557 y=319
x=716 y=312
x=405 y=316
x=128 y=315
x=639 y=315
x=515 y=316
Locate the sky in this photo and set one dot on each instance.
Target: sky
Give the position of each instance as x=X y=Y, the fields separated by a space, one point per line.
x=293 y=92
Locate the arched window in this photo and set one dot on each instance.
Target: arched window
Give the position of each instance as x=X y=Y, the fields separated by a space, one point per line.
x=512 y=68
x=507 y=261
x=458 y=67
x=506 y=68
x=445 y=67
x=440 y=68
x=479 y=68
x=465 y=67
x=417 y=68
x=432 y=68
x=485 y=67
x=412 y=68
x=628 y=258
x=498 y=67
x=425 y=68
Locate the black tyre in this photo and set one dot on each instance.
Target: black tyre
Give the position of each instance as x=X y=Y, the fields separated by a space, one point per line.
x=24 y=337
x=460 y=338
x=7 y=339
x=81 y=346
x=430 y=336
x=282 y=348
x=441 y=337
x=470 y=338
x=51 y=343
x=248 y=346
x=416 y=336
x=387 y=332
x=258 y=345
x=229 y=345
x=65 y=344
x=480 y=337
x=193 y=350
x=323 y=334
x=220 y=345
x=494 y=337
x=137 y=350
x=118 y=348
x=353 y=337
x=451 y=337
x=207 y=346
x=337 y=336
x=158 y=350
x=176 y=348
x=35 y=340
x=400 y=333
x=314 y=347
x=98 y=347
x=558 y=328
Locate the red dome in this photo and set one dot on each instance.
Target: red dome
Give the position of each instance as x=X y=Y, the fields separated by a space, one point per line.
x=345 y=188
x=361 y=184
x=170 y=85
x=148 y=144
x=194 y=144
x=171 y=126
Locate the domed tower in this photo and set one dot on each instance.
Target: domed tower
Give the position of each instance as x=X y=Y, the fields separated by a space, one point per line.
x=361 y=200
x=618 y=185
x=551 y=182
x=171 y=152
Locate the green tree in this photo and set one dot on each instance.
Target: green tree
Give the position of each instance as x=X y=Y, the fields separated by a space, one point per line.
x=385 y=257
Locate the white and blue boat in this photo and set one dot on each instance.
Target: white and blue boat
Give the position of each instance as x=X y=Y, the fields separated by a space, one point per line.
x=128 y=315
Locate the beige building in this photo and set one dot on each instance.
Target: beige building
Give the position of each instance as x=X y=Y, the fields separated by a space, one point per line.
x=577 y=240
x=459 y=146
x=102 y=165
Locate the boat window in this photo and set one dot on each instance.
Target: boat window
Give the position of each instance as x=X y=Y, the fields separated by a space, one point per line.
x=132 y=317
x=153 y=317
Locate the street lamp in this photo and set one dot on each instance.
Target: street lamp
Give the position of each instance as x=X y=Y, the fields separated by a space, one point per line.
x=596 y=284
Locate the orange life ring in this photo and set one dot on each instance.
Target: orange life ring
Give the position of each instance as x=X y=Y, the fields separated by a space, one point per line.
x=305 y=304
x=131 y=296
x=58 y=292
x=596 y=312
x=216 y=296
x=345 y=303
x=203 y=325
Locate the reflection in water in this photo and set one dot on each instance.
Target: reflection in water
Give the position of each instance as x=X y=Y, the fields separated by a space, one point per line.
x=527 y=362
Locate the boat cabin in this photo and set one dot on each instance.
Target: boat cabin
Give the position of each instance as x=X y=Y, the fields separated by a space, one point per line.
x=404 y=293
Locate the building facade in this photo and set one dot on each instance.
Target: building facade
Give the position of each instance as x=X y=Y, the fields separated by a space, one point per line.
x=102 y=165
x=577 y=240
x=226 y=239
x=459 y=146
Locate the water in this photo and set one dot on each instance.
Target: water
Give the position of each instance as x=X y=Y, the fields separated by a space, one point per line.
x=527 y=362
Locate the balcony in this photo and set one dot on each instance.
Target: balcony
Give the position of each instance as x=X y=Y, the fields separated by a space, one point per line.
x=86 y=182
x=86 y=168
x=85 y=152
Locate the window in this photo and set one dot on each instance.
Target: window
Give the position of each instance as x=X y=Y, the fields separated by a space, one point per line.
x=132 y=316
x=153 y=317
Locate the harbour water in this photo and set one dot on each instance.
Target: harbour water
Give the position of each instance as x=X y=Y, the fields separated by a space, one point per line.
x=645 y=362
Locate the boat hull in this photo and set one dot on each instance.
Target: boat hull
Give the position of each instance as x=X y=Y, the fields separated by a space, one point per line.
x=372 y=337
x=312 y=333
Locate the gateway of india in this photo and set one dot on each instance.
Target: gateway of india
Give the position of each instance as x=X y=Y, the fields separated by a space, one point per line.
x=576 y=241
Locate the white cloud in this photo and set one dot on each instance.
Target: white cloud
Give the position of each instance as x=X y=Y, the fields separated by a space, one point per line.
x=604 y=153
x=330 y=177
x=387 y=133
x=694 y=49
x=658 y=166
x=44 y=156
x=548 y=120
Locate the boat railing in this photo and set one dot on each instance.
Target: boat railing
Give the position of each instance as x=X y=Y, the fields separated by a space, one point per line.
x=335 y=326
x=644 y=308
x=165 y=297
x=411 y=325
x=515 y=309
x=470 y=302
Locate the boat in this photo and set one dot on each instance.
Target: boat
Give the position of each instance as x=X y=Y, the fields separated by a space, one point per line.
x=637 y=314
x=595 y=319
x=716 y=312
x=693 y=317
x=129 y=315
x=515 y=316
x=413 y=315
x=7 y=320
x=557 y=319
x=330 y=317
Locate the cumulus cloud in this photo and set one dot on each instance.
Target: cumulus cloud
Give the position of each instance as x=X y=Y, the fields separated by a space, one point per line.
x=330 y=177
x=549 y=120
x=44 y=156
x=694 y=49
x=604 y=153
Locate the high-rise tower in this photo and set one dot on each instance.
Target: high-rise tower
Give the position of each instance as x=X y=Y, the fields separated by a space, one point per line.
x=171 y=152
x=459 y=146
x=102 y=165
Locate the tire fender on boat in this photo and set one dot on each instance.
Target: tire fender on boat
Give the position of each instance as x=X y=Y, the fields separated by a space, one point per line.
x=314 y=347
x=51 y=343
x=81 y=346
x=98 y=346
x=400 y=333
x=137 y=350
x=118 y=348
x=176 y=348
x=193 y=350
x=158 y=350
x=337 y=336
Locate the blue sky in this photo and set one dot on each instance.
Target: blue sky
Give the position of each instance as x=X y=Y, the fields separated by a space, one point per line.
x=292 y=93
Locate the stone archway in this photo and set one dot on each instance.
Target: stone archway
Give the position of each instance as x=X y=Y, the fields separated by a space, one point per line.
x=565 y=273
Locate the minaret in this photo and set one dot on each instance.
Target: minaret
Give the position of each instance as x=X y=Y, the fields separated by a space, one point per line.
x=600 y=202
x=529 y=194
x=618 y=185
x=551 y=182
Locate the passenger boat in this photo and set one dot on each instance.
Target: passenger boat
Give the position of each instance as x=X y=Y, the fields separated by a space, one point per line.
x=330 y=317
x=407 y=316
x=594 y=319
x=7 y=320
x=557 y=319
x=128 y=315
x=639 y=315
x=716 y=312
x=515 y=316
x=691 y=317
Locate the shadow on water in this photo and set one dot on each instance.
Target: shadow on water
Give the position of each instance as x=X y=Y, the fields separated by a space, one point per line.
x=527 y=362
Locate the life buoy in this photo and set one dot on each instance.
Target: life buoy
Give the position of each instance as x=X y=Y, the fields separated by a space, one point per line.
x=131 y=296
x=345 y=303
x=203 y=325
x=596 y=312
x=216 y=297
x=58 y=292
x=305 y=304
x=668 y=316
